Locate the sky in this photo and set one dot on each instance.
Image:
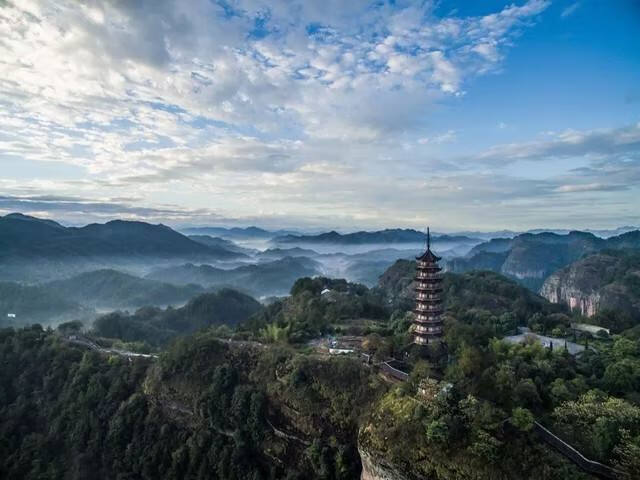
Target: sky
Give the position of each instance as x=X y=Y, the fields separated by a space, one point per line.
x=322 y=114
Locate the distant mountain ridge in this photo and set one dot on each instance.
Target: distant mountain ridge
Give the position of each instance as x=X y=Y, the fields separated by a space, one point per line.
x=236 y=232
x=269 y=278
x=392 y=235
x=29 y=237
x=531 y=258
x=112 y=289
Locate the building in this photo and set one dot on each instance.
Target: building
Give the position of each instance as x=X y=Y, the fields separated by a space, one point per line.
x=427 y=327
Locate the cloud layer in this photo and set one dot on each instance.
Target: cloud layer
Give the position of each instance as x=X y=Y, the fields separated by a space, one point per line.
x=294 y=111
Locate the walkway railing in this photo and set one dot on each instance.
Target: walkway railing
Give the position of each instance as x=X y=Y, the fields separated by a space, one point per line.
x=394 y=372
x=574 y=455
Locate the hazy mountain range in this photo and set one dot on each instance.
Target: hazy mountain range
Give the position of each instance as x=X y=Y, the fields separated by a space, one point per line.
x=531 y=258
x=125 y=265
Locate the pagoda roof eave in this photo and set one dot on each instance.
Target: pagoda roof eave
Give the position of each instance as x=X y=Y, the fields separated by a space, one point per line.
x=428 y=256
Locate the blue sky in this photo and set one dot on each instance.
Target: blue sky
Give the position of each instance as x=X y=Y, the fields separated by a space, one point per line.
x=461 y=115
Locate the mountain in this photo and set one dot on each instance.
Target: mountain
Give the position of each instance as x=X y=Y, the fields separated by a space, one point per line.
x=157 y=326
x=602 y=233
x=270 y=278
x=466 y=292
x=277 y=253
x=217 y=242
x=395 y=235
x=24 y=305
x=608 y=280
x=531 y=258
x=36 y=250
x=236 y=232
x=112 y=289
x=32 y=237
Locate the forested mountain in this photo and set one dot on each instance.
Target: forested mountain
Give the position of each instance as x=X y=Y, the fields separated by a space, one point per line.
x=157 y=326
x=531 y=258
x=35 y=250
x=237 y=233
x=608 y=280
x=217 y=242
x=24 y=236
x=205 y=410
x=270 y=278
x=231 y=410
x=112 y=289
x=24 y=305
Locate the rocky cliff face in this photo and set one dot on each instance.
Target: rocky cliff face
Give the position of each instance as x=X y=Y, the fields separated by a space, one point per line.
x=376 y=467
x=560 y=289
x=531 y=258
x=601 y=281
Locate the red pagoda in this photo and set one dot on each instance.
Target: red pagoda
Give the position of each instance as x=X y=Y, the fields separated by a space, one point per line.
x=427 y=326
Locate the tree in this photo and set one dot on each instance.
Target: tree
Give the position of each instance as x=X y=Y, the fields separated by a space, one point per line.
x=522 y=419
x=438 y=432
x=559 y=391
x=526 y=393
x=622 y=376
x=624 y=348
x=628 y=453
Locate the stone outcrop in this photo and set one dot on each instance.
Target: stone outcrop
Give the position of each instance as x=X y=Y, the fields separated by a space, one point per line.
x=597 y=282
x=531 y=258
x=375 y=467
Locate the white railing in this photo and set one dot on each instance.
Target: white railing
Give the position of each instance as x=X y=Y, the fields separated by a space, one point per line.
x=421 y=329
x=428 y=308
x=429 y=276
x=422 y=296
x=421 y=264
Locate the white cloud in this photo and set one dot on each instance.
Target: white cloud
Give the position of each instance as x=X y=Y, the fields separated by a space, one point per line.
x=445 y=137
x=321 y=113
x=570 y=10
x=594 y=144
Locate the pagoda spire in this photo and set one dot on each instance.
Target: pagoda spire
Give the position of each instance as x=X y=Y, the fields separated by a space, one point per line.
x=427 y=325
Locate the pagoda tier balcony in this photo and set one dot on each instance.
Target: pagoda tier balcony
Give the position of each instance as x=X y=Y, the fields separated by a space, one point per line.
x=428 y=266
x=428 y=309
x=428 y=330
x=420 y=340
x=428 y=297
x=428 y=276
x=428 y=303
x=419 y=318
x=428 y=287
x=428 y=282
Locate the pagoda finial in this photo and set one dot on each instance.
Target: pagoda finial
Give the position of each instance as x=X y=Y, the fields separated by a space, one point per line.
x=428 y=239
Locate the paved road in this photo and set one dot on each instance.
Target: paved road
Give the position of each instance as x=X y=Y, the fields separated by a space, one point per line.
x=558 y=343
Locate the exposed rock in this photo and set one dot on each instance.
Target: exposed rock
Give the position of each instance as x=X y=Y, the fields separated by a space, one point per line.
x=598 y=282
x=531 y=258
x=376 y=467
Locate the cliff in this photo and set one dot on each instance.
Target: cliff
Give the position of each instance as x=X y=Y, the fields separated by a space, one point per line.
x=407 y=438
x=531 y=258
x=609 y=280
x=376 y=467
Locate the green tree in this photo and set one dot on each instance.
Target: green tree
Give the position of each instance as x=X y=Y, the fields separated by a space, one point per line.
x=522 y=419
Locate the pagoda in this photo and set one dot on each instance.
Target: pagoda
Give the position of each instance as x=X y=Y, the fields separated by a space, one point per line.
x=427 y=326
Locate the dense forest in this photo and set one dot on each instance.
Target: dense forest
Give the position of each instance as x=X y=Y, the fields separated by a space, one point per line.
x=247 y=397
x=156 y=326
